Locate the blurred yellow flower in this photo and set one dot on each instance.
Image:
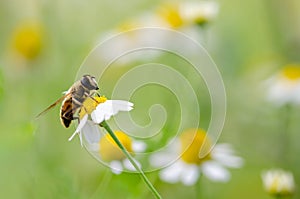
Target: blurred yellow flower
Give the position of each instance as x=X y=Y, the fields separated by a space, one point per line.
x=291 y=72
x=191 y=145
x=188 y=168
x=27 y=40
x=284 y=87
x=278 y=182
x=109 y=150
x=106 y=150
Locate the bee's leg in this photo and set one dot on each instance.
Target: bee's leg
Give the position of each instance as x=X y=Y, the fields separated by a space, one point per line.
x=76 y=118
x=94 y=93
x=93 y=98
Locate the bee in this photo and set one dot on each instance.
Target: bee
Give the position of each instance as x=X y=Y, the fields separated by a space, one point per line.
x=73 y=99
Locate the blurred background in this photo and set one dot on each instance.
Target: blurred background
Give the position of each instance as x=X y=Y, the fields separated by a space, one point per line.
x=43 y=44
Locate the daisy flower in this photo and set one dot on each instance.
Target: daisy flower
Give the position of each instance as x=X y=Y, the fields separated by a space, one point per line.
x=189 y=165
x=100 y=109
x=278 y=182
x=284 y=87
x=189 y=13
x=114 y=147
x=104 y=149
x=184 y=17
x=102 y=146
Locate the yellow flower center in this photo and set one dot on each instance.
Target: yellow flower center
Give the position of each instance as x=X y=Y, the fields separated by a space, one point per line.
x=291 y=72
x=170 y=13
x=277 y=188
x=90 y=104
x=191 y=143
x=109 y=150
x=27 y=40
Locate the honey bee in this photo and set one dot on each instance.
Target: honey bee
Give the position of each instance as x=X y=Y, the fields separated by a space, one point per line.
x=73 y=99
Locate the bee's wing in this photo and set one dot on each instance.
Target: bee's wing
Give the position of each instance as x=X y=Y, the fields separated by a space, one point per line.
x=54 y=104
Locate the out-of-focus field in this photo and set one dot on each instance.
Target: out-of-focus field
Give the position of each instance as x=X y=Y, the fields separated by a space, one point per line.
x=249 y=41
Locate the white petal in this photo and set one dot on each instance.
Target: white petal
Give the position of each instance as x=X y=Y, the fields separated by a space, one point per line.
x=224 y=154
x=192 y=10
x=109 y=108
x=172 y=173
x=228 y=160
x=138 y=146
x=215 y=172
x=190 y=174
x=91 y=132
x=161 y=159
x=93 y=148
x=282 y=90
x=82 y=123
x=121 y=105
x=79 y=127
x=97 y=116
x=277 y=180
x=116 y=167
x=223 y=148
x=128 y=165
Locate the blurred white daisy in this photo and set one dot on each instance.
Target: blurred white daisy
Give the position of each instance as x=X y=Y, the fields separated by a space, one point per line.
x=188 y=168
x=278 y=182
x=189 y=13
x=100 y=109
x=129 y=47
x=103 y=147
x=284 y=87
x=199 y=12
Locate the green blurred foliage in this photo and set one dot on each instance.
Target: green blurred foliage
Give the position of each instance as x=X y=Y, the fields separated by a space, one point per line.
x=250 y=40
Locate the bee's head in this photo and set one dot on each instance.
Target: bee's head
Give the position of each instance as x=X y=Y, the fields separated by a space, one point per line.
x=89 y=82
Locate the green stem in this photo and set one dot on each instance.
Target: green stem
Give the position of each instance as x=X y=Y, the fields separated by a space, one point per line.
x=198 y=188
x=130 y=158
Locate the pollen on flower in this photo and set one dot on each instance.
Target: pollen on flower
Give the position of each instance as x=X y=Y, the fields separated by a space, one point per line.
x=191 y=143
x=291 y=72
x=109 y=150
x=90 y=104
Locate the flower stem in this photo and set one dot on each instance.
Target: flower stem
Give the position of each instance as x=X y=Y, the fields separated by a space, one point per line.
x=278 y=197
x=198 y=188
x=130 y=158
